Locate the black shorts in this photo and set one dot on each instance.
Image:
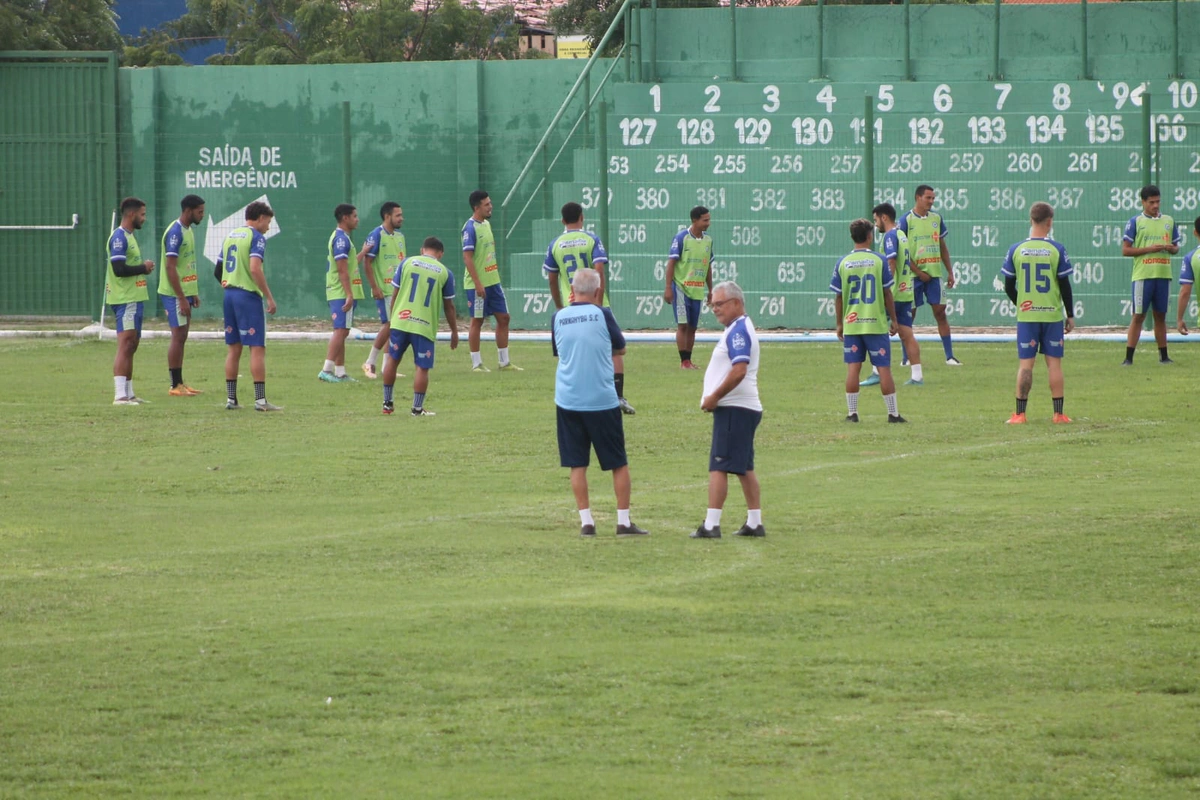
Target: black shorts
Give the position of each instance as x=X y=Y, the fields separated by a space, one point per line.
x=580 y=431
x=733 y=440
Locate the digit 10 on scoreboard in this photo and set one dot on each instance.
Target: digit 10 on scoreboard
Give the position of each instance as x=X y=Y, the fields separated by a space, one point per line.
x=783 y=166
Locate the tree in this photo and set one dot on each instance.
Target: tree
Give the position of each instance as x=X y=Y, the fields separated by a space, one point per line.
x=592 y=18
x=58 y=25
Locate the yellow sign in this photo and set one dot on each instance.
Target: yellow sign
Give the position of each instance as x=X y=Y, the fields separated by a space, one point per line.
x=574 y=47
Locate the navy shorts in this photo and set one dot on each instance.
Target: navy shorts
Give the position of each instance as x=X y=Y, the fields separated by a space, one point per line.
x=422 y=348
x=381 y=305
x=927 y=293
x=170 y=304
x=686 y=309
x=245 y=320
x=488 y=304
x=1046 y=337
x=580 y=431
x=733 y=440
x=342 y=320
x=857 y=346
x=904 y=312
x=129 y=316
x=1151 y=294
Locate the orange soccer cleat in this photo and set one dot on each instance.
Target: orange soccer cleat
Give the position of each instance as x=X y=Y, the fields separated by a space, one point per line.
x=1016 y=419
x=1061 y=419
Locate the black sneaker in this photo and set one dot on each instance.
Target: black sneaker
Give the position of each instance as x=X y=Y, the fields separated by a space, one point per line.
x=631 y=530
x=423 y=412
x=704 y=533
x=896 y=418
x=1166 y=361
x=746 y=530
x=852 y=418
x=1127 y=362
x=389 y=408
x=587 y=531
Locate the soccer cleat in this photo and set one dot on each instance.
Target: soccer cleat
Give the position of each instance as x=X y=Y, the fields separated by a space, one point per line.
x=263 y=405
x=1127 y=362
x=423 y=412
x=953 y=362
x=692 y=365
x=179 y=391
x=704 y=533
x=232 y=405
x=1166 y=361
x=1061 y=419
x=685 y=365
x=123 y=401
x=369 y=371
x=625 y=407
x=389 y=408
x=137 y=401
x=852 y=418
x=631 y=530
x=587 y=531
x=896 y=418
x=1015 y=419
x=344 y=379
x=914 y=382
x=511 y=367
x=480 y=368
x=746 y=530
x=328 y=377
x=872 y=380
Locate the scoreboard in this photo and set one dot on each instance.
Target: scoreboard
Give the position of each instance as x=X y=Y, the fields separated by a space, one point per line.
x=784 y=168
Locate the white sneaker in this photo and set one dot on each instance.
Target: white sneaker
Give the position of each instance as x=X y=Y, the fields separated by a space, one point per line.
x=953 y=362
x=137 y=401
x=263 y=405
x=124 y=401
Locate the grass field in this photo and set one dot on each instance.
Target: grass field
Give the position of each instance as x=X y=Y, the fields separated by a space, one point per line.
x=328 y=602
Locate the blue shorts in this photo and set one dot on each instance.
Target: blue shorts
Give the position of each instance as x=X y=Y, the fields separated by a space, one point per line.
x=245 y=320
x=342 y=319
x=422 y=348
x=1044 y=336
x=927 y=293
x=1151 y=294
x=904 y=313
x=733 y=440
x=171 y=306
x=580 y=431
x=381 y=305
x=490 y=303
x=686 y=309
x=129 y=316
x=857 y=346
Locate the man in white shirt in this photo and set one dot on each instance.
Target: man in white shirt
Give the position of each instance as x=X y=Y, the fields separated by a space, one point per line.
x=731 y=394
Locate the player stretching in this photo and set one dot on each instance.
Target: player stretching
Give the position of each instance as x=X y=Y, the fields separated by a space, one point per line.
x=178 y=289
x=125 y=290
x=240 y=267
x=485 y=296
x=1150 y=240
x=577 y=249
x=926 y=231
x=343 y=290
x=1037 y=277
x=691 y=252
x=415 y=318
x=383 y=252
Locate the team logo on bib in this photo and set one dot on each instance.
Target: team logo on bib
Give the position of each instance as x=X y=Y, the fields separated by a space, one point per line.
x=405 y=314
x=1026 y=305
x=852 y=317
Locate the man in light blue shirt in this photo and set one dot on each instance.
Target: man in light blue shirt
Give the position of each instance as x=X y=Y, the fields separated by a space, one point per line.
x=585 y=337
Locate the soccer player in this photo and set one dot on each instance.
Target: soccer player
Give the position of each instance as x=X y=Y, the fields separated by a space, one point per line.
x=866 y=316
x=240 y=266
x=576 y=249
x=343 y=290
x=485 y=296
x=1187 y=276
x=926 y=232
x=383 y=252
x=1150 y=240
x=1037 y=277
x=125 y=291
x=415 y=319
x=731 y=395
x=178 y=287
x=691 y=253
x=896 y=251
x=584 y=339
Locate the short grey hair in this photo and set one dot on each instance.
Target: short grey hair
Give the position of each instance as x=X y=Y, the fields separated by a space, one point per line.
x=585 y=281
x=732 y=291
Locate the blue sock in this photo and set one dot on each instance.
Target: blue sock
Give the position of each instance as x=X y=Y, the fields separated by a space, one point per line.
x=947 y=346
x=387 y=392
x=418 y=399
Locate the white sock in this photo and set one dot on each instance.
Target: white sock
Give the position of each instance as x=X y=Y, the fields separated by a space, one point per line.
x=503 y=353
x=917 y=374
x=753 y=517
x=340 y=371
x=851 y=402
x=713 y=519
x=585 y=517
x=373 y=358
x=119 y=387
x=129 y=388
x=874 y=370
x=328 y=366
x=476 y=358
x=623 y=516
x=890 y=401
